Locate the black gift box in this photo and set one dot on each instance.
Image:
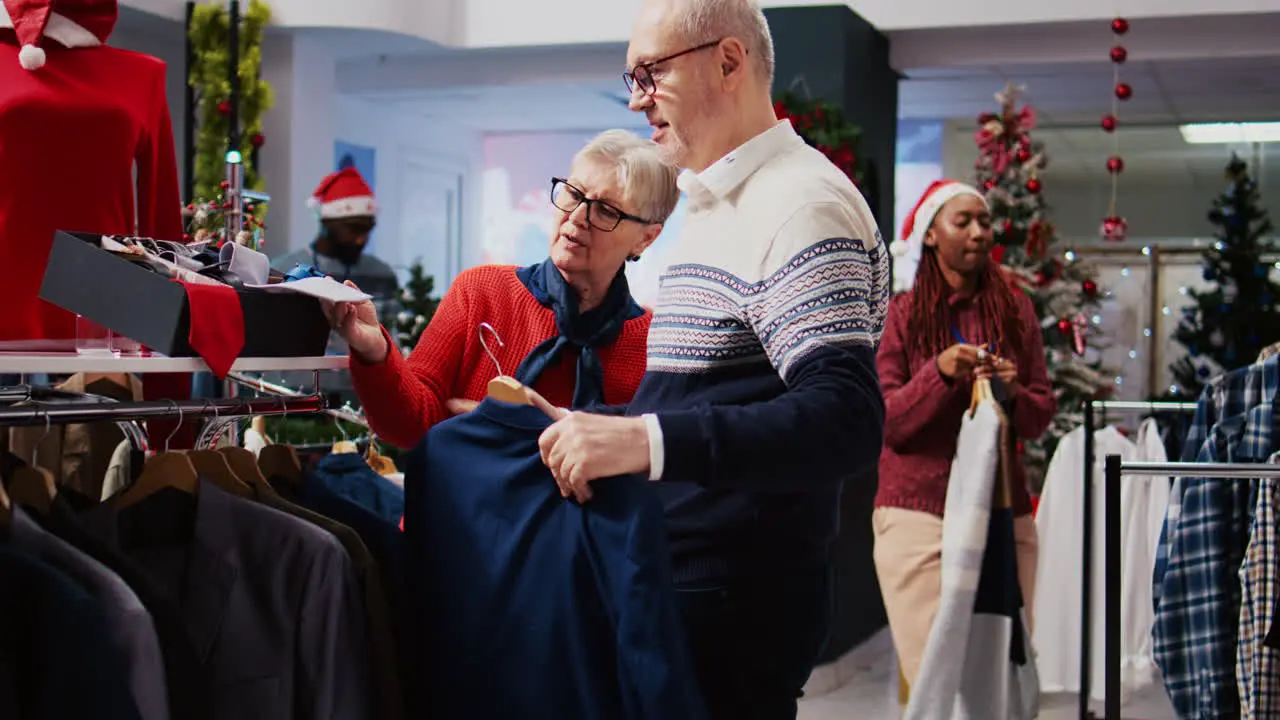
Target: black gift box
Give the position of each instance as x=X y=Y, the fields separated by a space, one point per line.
x=147 y=307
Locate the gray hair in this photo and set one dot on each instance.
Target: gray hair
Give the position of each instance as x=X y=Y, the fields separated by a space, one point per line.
x=701 y=21
x=647 y=179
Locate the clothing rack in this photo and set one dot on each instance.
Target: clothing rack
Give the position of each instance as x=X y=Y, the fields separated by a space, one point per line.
x=1114 y=470
x=1086 y=583
x=256 y=383
x=125 y=411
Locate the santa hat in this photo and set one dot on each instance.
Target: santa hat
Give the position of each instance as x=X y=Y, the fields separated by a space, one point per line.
x=344 y=194
x=72 y=23
x=921 y=217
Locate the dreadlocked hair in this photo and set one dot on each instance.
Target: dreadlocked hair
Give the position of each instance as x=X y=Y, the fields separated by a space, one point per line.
x=929 y=324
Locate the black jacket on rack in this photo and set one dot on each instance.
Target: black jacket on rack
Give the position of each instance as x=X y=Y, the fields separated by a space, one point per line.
x=61 y=660
x=188 y=690
x=271 y=602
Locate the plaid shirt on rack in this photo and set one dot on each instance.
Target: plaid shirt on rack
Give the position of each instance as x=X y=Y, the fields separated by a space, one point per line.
x=1198 y=607
x=1258 y=666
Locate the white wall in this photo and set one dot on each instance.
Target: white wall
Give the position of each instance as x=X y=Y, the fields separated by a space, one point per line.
x=419 y=161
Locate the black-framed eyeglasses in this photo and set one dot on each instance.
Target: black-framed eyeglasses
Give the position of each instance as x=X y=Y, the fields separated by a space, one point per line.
x=600 y=214
x=641 y=76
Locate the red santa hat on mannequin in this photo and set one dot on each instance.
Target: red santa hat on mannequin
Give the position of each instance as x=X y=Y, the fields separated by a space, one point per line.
x=71 y=23
x=344 y=194
x=921 y=216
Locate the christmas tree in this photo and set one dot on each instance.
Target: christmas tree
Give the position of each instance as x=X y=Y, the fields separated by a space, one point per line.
x=1229 y=325
x=417 y=306
x=1063 y=289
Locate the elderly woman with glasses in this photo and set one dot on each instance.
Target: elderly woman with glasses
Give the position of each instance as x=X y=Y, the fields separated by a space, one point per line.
x=566 y=327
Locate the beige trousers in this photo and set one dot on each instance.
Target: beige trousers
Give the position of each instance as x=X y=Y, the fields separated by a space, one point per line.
x=908 y=557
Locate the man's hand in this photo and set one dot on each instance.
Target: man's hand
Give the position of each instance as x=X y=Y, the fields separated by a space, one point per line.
x=581 y=447
x=460 y=406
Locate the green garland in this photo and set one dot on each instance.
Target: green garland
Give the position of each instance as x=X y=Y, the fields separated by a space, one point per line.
x=210 y=37
x=824 y=126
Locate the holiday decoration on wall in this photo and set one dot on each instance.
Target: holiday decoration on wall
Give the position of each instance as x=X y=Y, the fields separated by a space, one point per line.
x=417 y=306
x=1229 y=325
x=1063 y=289
x=824 y=126
x=209 y=33
x=1114 y=228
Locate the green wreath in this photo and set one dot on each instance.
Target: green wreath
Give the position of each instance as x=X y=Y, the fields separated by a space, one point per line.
x=210 y=37
x=823 y=125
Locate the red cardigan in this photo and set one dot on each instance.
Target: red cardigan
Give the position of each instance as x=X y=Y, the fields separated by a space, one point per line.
x=923 y=410
x=403 y=398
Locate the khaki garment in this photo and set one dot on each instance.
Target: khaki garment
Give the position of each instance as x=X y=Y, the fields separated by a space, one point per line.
x=78 y=454
x=908 y=557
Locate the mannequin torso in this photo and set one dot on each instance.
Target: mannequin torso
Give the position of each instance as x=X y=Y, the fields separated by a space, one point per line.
x=70 y=136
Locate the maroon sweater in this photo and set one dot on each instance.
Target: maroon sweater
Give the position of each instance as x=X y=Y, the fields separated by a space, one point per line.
x=923 y=409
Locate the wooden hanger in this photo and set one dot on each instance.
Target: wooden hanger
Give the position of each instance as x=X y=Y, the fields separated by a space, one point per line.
x=6 y=512
x=213 y=466
x=281 y=461
x=245 y=466
x=31 y=485
x=981 y=392
x=164 y=470
x=503 y=387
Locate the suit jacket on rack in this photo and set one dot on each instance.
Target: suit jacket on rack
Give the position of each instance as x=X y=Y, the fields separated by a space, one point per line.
x=271 y=602
x=187 y=687
x=128 y=622
x=379 y=621
x=62 y=659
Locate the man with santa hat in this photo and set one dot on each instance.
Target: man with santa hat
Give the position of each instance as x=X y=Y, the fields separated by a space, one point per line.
x=348 y=213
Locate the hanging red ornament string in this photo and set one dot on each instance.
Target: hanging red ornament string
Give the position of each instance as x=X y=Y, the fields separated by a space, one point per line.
x=1114 y=228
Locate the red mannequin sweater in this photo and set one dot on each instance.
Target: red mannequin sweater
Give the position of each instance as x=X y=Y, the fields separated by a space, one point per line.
x=923 y=410
x=403 y=398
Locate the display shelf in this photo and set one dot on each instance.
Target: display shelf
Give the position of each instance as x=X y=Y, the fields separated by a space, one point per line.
x=61 y=363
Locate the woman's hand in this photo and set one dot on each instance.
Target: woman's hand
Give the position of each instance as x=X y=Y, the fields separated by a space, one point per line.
x=357 y=324
x=958 y=361
x=1001 y=368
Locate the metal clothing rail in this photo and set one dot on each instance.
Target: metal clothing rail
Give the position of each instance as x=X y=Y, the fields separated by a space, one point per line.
x=1114 y=470
x=1086 y=562
x=125 y=411
x=254 y=383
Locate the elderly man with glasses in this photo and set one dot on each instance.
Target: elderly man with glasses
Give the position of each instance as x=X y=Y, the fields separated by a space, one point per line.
x=761 y=394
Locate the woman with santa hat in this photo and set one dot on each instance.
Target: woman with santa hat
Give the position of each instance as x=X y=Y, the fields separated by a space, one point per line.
x=961 y=320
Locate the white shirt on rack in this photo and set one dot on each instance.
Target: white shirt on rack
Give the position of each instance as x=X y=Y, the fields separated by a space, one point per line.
x=1059 y=522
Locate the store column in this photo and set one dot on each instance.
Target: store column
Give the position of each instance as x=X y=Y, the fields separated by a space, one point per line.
x=841 y=58
x=300 y=132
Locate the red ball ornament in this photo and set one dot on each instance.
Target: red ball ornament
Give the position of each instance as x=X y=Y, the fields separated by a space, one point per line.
x=224 y=107
x=1033 y=186
x=1120 y=26
x=224 y=185
x=1115 y=164
x=1109 y=122
x=1007 y=227
x=1119 y=54
x=228 y=205
x=1090 y=288
x=988 y=184
x=186 y=238
x=1114 y=229
x=258 y=140
x=1124 y=91
x=1064 y=326
x=1025 y=142
x=1023 y=155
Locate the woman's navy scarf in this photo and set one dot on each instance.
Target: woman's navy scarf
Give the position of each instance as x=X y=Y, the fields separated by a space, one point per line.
x=586 y=331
